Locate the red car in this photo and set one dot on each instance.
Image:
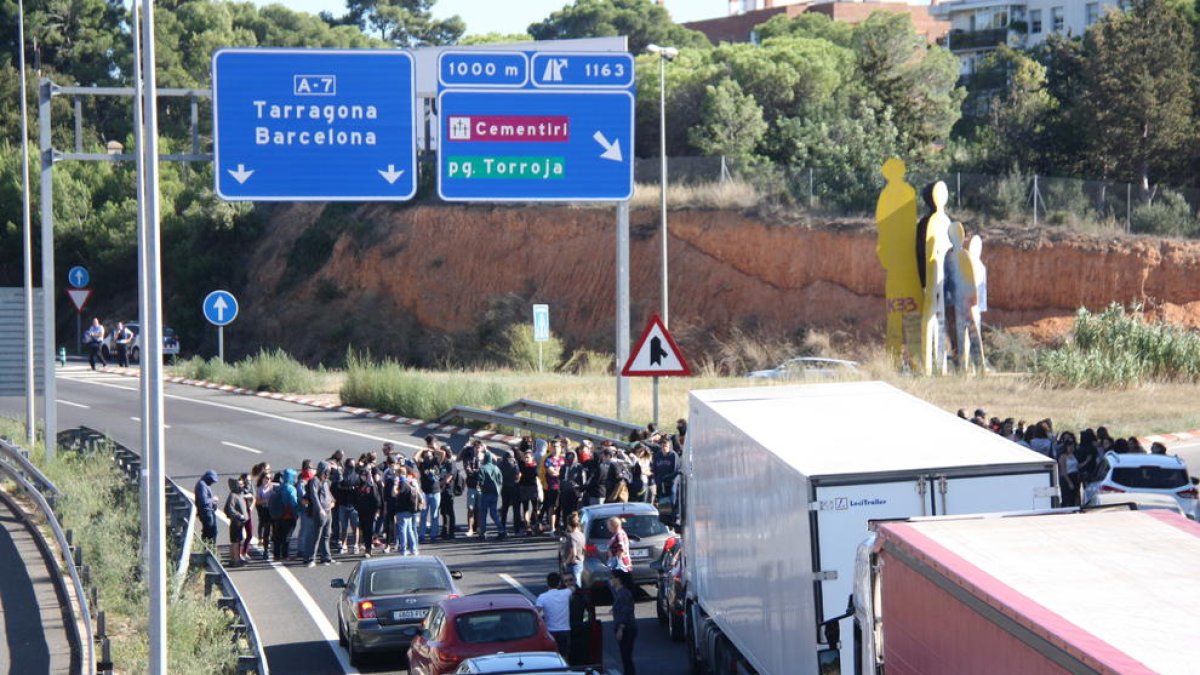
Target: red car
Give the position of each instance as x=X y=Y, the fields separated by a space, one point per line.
x=477 y=625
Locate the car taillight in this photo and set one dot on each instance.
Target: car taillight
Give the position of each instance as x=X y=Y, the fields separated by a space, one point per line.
x=670 y=544
x=591 y=551
x=1190 y=493
x=1111 y=488
x=450 y=660
x=366 y=610
x=453 y=596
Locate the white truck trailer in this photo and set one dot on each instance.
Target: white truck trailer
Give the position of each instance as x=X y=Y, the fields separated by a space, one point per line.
x=780 y=483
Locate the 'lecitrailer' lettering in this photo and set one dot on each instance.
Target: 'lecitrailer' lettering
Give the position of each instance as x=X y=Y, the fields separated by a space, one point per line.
x=320 y=113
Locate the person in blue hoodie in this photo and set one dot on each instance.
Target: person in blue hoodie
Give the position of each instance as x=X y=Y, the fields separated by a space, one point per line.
x=206 y=507
x=286 y=503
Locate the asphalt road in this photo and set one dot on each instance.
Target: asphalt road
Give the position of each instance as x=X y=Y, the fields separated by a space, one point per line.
x=292 y=605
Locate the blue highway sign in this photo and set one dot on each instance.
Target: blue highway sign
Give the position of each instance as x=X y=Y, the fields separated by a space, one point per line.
x=314 y=125
x=220 y=308
x=78 y=276
x=532 y=145
x=608 y=70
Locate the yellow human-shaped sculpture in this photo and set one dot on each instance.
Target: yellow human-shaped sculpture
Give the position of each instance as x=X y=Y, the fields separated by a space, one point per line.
x=933 y=313
x=979 y=279
x=896 y=217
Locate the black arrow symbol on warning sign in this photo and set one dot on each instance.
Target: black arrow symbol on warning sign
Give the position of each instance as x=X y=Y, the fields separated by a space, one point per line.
x=657 y=352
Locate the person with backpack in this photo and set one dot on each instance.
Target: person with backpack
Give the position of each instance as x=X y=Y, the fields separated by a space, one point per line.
x=510 y=471
x=452 y=486
x=408 y=505
x=346 y=495
x=264 y=488
x=570 y=493
x=303 y=515
x=238 y=515
x=596 y=488
x=392 y=475
x=430 y=467
x=285 y=503
x=335 y=481
x=469 y=460
x=320 y=510
x=527 y=486
x=491 y=483
x=367 y=502
x=552 y=467
x=641 y=488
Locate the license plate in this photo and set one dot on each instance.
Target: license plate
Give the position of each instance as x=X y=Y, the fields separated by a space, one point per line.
x=640 y=553
x=403 y=614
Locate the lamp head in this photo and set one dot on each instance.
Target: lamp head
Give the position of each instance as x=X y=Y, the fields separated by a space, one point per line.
x=668 y=53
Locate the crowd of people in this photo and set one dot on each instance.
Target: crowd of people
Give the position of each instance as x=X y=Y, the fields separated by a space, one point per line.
x=1080 y=458
x=386 y=502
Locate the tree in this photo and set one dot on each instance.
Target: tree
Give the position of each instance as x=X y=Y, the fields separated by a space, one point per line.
x=809 y=25
x=406 y=23
x=731 y=122
x=1138 y=96
x=1019 y=121
x=643 y=21
x=495 y=38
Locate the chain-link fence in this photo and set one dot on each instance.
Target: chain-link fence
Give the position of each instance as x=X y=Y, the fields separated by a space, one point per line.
x=980 y=199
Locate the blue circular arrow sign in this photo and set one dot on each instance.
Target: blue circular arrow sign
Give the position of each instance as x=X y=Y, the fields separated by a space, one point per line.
x=78 y=277
x=220 y=308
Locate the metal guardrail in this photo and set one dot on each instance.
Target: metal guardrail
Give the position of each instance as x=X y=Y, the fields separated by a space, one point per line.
x=216 y=576
x=468 y=414
x=16 y=464
x=181 y=526
x=571 y=417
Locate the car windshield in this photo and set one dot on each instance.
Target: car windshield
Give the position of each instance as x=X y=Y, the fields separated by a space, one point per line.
x=637 y=527
x=497 y=626
x=1152 y=477
x=407 y=579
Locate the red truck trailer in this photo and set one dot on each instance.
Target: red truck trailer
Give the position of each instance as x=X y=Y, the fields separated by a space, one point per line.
x=1102 y=592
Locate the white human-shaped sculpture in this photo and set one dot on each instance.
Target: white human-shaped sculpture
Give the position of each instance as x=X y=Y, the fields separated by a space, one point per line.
x=979 y=277
x=937 y=245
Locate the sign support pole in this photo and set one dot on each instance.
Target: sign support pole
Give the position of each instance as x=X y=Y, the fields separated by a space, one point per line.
x=622 y=343
x=27 y=244
x=656 y=402
x=221 y=343
x=79 y=331
x=49 y=386
x=152 y=360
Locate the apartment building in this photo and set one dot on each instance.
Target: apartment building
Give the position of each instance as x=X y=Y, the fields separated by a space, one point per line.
x=977 y=27
x=744 y=15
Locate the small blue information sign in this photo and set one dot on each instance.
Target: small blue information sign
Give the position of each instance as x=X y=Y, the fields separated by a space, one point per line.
x=541 y=323
x=314 y=125
x=492 y=69
x=588 y=71
x=78 y=276
x=220 y=308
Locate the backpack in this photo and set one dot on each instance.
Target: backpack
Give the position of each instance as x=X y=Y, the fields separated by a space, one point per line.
x=275 y=505
x=637 y=485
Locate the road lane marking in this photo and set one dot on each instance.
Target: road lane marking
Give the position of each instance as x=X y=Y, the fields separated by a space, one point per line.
x=138 y=419
x=241 y=447
x=74 y=405
x=268 y=415
x=518 y=586
x=306 y=601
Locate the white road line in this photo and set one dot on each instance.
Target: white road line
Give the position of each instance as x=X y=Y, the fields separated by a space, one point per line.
x=241 y=447
x=139 y=421
x=518 y=586
x=74 y=405
x=268 y=415
x=306 y=601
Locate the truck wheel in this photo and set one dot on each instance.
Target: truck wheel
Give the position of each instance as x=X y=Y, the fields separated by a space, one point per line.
x=695 y=665
x=675 y=627
x=663 y=615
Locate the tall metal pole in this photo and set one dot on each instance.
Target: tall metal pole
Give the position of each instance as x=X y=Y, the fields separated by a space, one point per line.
x=622 y=308
x=662 y=151
x=139 y=139
x=49 y=386
x=152 y=360
x=27 y=242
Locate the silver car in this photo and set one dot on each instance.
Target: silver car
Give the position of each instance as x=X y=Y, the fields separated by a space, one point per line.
x=647 y=537
x=384 y=601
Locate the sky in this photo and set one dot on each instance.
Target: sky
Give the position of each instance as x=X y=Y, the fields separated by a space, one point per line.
x=511 y=16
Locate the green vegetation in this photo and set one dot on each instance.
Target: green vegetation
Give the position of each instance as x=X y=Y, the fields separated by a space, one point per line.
x=523 y=351
x=268 y=370
x=1119 y=348
x=389 y=387
x=102 y=510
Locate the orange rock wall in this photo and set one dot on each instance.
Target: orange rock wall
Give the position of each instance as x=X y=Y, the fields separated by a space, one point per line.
x=440 y=266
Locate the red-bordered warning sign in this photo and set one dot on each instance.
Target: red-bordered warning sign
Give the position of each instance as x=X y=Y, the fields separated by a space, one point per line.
x=79 y=297
x=656 y=354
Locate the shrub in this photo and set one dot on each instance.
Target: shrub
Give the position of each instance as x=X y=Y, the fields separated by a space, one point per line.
x=392 y=388
x=587 y=362
x=521 y=351
x=1168 y=216
x=1121 y=348
x=266 y=371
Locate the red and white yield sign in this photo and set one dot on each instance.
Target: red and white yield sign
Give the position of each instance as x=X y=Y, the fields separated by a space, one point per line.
x=656 y=354
x=79 y=297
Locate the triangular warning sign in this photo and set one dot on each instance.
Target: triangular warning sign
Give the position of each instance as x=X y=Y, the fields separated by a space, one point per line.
x=79 y=297
x=656 y=354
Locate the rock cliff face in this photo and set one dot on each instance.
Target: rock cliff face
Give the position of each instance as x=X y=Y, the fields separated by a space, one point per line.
x=385 y=275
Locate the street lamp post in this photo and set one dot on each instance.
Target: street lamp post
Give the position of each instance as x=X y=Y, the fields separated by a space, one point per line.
x=664 y=54
x=27 y=246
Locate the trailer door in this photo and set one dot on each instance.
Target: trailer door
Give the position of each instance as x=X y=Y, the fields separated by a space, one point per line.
x=954 y=496
x=840 y=514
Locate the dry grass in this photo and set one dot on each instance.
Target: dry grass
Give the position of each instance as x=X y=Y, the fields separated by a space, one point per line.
x=730 y=194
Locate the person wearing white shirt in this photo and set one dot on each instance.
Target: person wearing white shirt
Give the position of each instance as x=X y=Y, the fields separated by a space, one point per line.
x=555 y=605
